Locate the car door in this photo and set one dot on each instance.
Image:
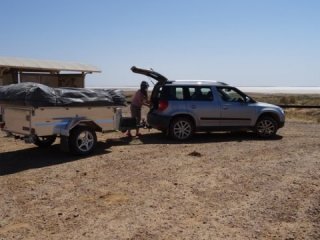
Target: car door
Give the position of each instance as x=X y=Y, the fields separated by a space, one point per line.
x=235 y=108
x=201 y=103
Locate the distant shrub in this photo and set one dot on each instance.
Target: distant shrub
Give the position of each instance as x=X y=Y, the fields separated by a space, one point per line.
x=288 y=100
x=284 y=100
x=292 y=100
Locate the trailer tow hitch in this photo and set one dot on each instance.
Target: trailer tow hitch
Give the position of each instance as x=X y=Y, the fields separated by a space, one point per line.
x=144 y=124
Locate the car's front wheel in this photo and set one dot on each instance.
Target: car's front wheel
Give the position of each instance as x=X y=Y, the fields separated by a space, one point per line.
x=266 y=127
x=181 y=128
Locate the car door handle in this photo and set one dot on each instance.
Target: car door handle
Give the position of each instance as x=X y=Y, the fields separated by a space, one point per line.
x=225 y=108
x=193 y=106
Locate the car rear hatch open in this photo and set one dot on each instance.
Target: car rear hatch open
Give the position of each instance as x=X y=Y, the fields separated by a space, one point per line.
x=161 y=80
x=150 y=73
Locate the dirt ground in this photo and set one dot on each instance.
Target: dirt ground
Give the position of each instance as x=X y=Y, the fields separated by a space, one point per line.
x=217 y=186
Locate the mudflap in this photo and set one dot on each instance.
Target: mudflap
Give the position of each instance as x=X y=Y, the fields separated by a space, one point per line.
x=64 y=143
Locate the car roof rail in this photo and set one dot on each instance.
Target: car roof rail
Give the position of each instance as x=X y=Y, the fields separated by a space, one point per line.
x=223 y=83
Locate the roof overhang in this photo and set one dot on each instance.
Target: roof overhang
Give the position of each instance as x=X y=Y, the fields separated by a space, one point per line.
x=34 y=65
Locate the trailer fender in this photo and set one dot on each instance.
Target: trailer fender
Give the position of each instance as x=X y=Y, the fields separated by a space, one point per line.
x=64 y=130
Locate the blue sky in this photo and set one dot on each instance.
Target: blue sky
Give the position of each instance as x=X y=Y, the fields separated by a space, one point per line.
x=241 y=42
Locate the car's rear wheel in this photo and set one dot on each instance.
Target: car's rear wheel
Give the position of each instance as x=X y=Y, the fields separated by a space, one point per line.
x=266 y=127
x=181 y=128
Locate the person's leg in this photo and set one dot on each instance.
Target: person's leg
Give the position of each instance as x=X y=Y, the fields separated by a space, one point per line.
x=133 y=115
x=138 y=118
x=128 y=133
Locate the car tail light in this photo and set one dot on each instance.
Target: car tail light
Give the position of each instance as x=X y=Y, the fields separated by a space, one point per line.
x=163 y=104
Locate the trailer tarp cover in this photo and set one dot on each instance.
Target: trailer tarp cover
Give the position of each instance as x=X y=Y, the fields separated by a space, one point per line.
x=39 y=95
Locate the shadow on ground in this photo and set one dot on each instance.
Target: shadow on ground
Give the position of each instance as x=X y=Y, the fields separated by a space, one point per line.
x=160 y=138
x=31 y=158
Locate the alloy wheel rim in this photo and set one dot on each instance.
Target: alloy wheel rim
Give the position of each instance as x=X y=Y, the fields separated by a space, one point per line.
x=182 y=129
x=85 y=141
x=266 y=128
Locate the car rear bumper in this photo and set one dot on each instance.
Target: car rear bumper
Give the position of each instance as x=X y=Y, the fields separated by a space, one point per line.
x=157 y=121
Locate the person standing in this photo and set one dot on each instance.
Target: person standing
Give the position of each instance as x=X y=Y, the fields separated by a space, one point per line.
x=140 y=98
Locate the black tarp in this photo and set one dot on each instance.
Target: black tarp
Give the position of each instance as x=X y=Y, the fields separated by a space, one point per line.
x=39 y=95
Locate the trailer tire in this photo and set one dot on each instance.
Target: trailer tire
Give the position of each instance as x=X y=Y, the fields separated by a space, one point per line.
x=45 y=141
x=82 y=140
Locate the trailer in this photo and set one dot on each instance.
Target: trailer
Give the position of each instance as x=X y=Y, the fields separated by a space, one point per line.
x=75 y=126
x=74 y=120
x=15 y=70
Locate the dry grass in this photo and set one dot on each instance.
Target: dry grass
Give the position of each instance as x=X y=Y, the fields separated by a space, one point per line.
x=298 y=99
x=307 y=115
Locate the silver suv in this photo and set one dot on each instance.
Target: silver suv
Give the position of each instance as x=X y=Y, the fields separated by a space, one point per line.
x=179 y=108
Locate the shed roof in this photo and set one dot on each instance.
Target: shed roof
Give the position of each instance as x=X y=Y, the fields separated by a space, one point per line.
x=24 y=64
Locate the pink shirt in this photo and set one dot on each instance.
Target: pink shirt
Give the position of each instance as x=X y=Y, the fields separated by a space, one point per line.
x=138 y=99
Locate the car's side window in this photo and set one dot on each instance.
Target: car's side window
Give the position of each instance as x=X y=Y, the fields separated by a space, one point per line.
x=228 y=94
x=178 y=94
x=172 y=93
x=206 y=93
x=191 y=92
x=186 y=93
x=200 y=93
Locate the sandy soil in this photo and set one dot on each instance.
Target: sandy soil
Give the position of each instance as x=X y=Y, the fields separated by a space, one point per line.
x=217 y=186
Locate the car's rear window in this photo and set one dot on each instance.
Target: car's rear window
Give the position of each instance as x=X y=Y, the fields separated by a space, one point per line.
x=172 y=93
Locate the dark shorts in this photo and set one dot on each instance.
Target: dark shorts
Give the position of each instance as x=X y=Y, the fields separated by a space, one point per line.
x=136 y=113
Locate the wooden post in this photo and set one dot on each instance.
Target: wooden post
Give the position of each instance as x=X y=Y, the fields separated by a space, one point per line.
x=1 y=75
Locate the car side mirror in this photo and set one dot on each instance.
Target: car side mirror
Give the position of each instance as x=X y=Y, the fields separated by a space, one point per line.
x=248 y=99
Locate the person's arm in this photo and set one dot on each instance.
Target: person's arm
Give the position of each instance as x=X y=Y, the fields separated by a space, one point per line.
x=146 y=102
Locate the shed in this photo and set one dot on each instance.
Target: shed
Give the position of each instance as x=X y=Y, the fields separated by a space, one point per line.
x=51 y=73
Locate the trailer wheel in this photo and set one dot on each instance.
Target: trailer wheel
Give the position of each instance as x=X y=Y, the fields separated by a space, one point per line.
x=82 y=140
x=45 y=141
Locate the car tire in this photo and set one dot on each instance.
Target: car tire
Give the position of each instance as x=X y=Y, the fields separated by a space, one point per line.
x=266 y=127
x=82 y=140
x=45 y=141
x=181 y=128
